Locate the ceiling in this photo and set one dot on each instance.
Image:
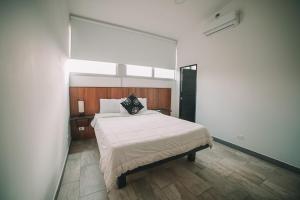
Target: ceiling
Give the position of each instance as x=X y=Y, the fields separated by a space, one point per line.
x=162 y=17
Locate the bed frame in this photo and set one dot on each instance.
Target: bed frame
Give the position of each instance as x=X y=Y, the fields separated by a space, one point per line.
x=191 y=155
x=157 y=99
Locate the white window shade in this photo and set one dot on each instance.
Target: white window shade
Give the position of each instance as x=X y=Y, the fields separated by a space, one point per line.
x=91 y=40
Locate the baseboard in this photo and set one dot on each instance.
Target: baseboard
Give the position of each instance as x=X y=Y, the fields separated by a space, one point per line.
x=61 y=175
x=260 y=156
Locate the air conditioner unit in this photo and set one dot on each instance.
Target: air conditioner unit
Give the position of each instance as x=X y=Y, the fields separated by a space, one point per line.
x=222 y=22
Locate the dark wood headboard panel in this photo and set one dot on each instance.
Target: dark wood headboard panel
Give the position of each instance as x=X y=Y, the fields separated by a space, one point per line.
x=157 y=98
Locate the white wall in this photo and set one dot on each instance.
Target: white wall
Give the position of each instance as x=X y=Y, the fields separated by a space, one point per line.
x=248 y=78
x=34 y=97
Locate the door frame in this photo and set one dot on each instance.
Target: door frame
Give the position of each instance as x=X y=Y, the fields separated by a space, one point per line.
x=180 y=88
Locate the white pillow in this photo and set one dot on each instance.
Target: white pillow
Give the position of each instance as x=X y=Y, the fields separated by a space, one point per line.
x=144 y=103
x=110 y=105
x=142 y=100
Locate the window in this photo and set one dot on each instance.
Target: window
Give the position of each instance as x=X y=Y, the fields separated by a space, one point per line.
x=91 y=67
x=163 y=73
x=194 y=67
x=135 y=70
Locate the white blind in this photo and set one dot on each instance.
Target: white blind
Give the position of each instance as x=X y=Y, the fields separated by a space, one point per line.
x=98 y=41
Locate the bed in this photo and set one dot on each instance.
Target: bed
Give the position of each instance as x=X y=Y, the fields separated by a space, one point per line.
x=131 y=143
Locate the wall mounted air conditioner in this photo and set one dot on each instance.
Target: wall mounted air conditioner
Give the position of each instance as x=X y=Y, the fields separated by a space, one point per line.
x=221 y=22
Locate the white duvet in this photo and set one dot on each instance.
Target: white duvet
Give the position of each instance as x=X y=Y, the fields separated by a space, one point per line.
x=129 y=141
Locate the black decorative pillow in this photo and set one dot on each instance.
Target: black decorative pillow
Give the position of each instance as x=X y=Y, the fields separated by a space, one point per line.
x=132 y=105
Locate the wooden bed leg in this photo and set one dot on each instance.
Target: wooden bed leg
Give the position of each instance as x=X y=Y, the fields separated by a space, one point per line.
x=121 y=181
x=191 y=157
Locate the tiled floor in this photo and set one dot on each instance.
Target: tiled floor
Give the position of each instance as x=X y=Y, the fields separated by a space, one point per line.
x=218 y=173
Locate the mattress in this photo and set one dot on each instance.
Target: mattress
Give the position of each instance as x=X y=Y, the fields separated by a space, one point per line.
x=128 y=141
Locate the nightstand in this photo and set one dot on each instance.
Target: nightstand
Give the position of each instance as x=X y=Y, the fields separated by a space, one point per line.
x=81 y=127
x=163 y=111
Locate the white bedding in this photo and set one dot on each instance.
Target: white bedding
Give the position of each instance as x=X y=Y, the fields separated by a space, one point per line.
x=129 y=141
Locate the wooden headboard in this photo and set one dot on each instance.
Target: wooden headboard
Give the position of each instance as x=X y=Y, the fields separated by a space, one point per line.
x=157 y=98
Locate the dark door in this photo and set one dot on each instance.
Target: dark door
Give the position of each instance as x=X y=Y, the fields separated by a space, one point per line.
x=187 y=102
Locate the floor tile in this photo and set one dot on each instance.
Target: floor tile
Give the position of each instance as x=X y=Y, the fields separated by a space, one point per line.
x=91 y=180
x=74 y=156
x=72 y=171
x=217 y=173
x=69 y=191
x=96 y=196
x=90 y=157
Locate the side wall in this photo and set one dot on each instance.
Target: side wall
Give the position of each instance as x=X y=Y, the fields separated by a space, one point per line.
x=248 y=88
x=34 y=97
